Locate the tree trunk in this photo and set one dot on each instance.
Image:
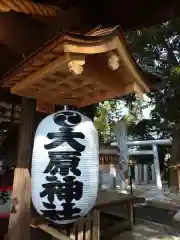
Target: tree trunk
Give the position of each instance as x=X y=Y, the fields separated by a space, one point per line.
x=120 y=130
x=175 y=158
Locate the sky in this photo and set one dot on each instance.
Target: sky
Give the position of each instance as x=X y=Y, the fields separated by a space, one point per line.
x=147 y=111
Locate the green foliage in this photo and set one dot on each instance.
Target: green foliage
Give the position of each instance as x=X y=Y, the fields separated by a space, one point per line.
x=101 y=120
x=104 y=124
x=157 y=49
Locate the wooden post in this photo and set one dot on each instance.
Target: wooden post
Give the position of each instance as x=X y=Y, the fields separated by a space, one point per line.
x=19 y=224
x=178 y=178
x=131 y=214
x=96 y=225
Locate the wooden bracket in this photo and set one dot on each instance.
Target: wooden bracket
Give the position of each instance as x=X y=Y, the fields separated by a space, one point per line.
x=76 y=63
x=113 y=60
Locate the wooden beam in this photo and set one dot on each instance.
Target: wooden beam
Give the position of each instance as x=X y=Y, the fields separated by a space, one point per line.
x=19 y=224
x=21 y=33
x=25 y=35
x=52 y=231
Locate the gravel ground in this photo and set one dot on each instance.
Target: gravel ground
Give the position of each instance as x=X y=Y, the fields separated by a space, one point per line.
x=157 y=215
x=152 y=224
x=144 y=230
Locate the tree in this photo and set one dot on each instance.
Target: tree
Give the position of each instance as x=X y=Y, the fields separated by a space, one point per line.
x=157 y=49
x=107 y=115
x=101 y=121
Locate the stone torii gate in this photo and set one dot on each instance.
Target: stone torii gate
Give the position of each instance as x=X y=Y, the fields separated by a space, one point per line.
x=154 y=152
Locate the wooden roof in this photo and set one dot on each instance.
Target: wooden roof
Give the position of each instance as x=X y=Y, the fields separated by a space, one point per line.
x=22 y=34
x=78 y=70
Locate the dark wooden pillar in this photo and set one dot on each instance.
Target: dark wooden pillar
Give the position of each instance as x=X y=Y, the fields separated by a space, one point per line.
x=89 y=111
x=19 y=224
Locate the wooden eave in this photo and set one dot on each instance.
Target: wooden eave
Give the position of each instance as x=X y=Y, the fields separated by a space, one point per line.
x=78 y=70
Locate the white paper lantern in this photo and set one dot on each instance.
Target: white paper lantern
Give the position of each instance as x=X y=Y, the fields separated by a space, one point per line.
x=65 y=167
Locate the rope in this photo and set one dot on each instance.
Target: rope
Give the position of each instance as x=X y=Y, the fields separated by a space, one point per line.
x=27 y=7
